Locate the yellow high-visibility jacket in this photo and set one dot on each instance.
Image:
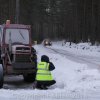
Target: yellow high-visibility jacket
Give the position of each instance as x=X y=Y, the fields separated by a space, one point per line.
x=43 y=73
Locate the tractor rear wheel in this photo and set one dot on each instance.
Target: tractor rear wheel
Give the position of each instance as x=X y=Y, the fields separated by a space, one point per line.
x=1 y=76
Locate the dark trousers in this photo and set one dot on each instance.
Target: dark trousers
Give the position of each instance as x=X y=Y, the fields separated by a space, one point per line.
x=44 y=84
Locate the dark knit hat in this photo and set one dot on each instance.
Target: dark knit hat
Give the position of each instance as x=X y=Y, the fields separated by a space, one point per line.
x=44 y=58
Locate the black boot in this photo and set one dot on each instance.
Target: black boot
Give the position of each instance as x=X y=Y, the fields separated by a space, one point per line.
x=44 y=87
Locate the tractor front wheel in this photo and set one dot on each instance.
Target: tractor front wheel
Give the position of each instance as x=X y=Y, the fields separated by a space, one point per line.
x=29 y=77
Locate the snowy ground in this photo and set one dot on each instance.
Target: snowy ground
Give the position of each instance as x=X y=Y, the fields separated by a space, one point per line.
x=77 y=74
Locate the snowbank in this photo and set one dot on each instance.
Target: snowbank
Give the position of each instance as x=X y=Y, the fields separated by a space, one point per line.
x=78 y=49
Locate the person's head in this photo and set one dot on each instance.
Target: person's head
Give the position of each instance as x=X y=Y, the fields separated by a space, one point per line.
x=44 y=58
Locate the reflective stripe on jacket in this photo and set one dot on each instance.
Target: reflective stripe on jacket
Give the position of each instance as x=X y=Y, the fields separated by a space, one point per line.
x=43 y=73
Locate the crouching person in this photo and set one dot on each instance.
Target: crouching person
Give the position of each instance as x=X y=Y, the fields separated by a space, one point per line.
x=44 y=77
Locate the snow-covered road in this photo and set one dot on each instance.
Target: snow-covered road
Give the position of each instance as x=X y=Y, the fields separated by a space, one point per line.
x=76 y=80
x=16 y=82
x=91 y=61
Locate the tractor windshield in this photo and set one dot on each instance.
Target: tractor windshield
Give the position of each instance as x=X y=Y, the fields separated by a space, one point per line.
x=17 y=36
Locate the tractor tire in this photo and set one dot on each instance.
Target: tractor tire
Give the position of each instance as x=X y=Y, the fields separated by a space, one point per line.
x=29 y=77
x=1 y=76
x=0 y=57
